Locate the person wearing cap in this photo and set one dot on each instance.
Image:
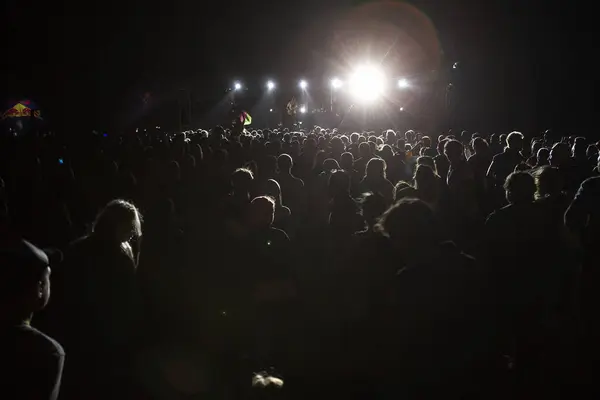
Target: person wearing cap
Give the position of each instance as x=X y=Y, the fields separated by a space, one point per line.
x=32 y=362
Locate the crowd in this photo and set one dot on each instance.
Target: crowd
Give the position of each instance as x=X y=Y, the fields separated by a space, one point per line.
x=286 y=264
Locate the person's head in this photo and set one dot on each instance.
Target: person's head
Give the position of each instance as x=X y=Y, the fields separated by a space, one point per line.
x=426 y=160
x=390 y=136
x=386 y=152
x=376 y=168
x=454 y=151
x=241 y=181
x=441 y=145
x=579 y=148
x=261 y=212
x=364 y=150
x=502 y=139
x=273 y=190
x=520 y=188
x=337 y=146
x=399 y=187
x=319 y=159
x=514 y=141
x=24 y=280
x=591 y=151
x=543 y=156
x=522 y=167
x=426 y=141
x=118 y=221
x=410 y=225
x=285 y=163
x=480 y=146
x=173 y=172
x=536 y=145
x=373 y=206
x=339 y=183
x=560 y=155
x=268 y=166
x=549 y=182
x=330 y=164
x=425 y=178
x=347 y=161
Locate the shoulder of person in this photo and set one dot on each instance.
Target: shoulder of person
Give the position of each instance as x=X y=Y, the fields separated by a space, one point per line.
x=40 y=342
x=493 y=217
x=592 y=184
x=280 y=234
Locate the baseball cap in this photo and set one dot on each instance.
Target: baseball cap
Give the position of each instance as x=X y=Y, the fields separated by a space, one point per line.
x=22 y=263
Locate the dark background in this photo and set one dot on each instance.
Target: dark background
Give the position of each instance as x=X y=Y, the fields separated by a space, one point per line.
x=524 y=65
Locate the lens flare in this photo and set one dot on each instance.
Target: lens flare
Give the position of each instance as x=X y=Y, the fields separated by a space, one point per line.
x=367 y=83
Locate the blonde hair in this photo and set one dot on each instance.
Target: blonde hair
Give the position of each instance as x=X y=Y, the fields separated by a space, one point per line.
x=116 y=213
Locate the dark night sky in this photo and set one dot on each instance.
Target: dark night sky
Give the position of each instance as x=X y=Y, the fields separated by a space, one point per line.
x=524 y=64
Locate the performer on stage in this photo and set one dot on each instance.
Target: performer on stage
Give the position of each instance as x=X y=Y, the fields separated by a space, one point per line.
x=290 y=115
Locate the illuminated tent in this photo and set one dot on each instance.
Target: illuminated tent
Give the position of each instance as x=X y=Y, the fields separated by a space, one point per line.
x=23 y=109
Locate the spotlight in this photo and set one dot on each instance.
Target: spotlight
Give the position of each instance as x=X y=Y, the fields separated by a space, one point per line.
x=270 y=85
x=367 y=82
x=303 y=84
x=303 y=109
x=401 y=108
x=403 y=84
x=336 y=83
x=237 y=86
x=270 y=110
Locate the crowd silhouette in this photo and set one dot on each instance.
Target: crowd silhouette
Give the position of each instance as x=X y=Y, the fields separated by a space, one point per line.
x=286 y=264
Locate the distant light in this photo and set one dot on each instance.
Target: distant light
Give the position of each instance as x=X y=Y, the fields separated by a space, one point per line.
x=403 y=84
x=401 y=108
x=270 y=110
x=303 y=84
x=336 y=83
x=237 y=86
x=270 y=85
x=455 y=66
x=303 y=109
x=367 y=83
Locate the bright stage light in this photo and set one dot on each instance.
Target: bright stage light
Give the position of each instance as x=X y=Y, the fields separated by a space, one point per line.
x=403 y=84
x=270 y=110
x=303 y=84
x=336 y=83
x=303 y=110
x=270 y=85
x=367 y=83
x=237 y=86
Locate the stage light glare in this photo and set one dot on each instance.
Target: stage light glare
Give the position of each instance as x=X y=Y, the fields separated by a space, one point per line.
x=303 y=109
x=403 y=83
x=303 y=84
x=270 y=110
x=270 y=85
x=336 y=83
x=367 y=83
x=401 y=108
x=237 y=86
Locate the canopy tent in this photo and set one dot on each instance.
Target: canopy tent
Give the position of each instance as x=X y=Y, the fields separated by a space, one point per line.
x=22 y=109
